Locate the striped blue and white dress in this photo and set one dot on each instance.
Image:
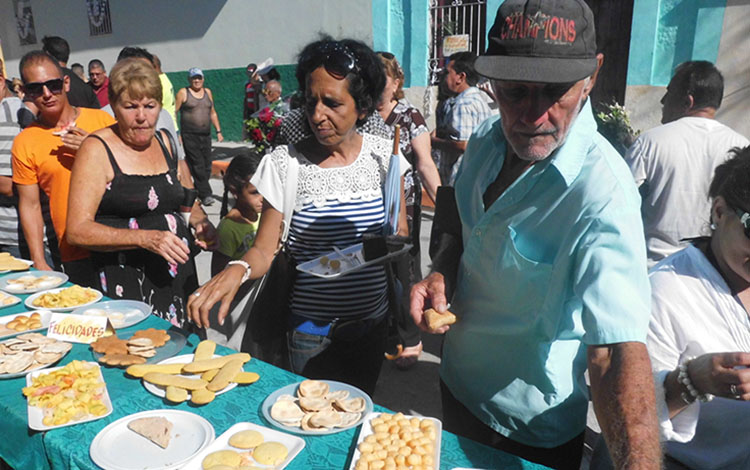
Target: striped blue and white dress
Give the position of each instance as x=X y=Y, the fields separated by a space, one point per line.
x=334 y=207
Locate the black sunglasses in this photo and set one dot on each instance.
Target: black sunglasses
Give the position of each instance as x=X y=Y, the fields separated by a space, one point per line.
x=339 y=61
x=386 y=55
x=744 y=220
x=36 y=89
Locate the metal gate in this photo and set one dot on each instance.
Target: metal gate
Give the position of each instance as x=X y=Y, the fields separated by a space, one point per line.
x=455 y=18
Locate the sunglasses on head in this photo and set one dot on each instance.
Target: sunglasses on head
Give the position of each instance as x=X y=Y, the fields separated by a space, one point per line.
x=744 y=220
x=36 y=89
x=339 y=61
x=386 y=55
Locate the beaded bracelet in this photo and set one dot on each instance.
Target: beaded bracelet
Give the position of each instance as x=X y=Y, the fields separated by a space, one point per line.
x=684 y=378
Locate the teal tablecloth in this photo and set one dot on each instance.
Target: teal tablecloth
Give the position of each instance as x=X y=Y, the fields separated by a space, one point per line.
x=68 y=447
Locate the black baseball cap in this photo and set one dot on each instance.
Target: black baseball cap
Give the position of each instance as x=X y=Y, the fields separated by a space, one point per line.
x=547 y=41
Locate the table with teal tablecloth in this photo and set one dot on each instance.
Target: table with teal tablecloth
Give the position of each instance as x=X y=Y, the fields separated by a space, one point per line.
x=68 y=447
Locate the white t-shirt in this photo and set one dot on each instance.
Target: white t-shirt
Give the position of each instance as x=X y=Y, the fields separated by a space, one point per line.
x=674 y=165
x=693 y=312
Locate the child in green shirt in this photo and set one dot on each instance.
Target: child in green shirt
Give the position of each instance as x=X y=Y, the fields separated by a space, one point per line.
x=238 y=227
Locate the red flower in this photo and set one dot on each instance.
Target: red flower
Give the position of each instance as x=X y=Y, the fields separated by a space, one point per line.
x=265 y=115
x=257 y=135
x=271 y=135
x=277 y=122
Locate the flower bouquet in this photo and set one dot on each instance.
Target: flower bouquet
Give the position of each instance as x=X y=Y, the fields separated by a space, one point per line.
x=262 y=129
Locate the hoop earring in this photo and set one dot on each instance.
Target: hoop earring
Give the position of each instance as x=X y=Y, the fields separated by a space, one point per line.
x=712 y=226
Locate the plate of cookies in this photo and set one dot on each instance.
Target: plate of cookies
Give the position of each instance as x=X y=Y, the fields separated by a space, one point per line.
x=314 y=407
x=148 y=346
x=29 y=352
x=64 y=299
x=121 y=313
x=13 y=325
x=7 y=300
x=417 y=442
x=198 y=377
x=153 y=439
x=247 y=445
x=29 y=283
x=160 y=390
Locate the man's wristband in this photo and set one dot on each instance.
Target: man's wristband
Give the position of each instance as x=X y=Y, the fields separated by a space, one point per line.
x=218 y=132
x=244 y=264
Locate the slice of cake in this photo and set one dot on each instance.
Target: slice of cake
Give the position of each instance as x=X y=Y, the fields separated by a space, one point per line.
x=157 y=430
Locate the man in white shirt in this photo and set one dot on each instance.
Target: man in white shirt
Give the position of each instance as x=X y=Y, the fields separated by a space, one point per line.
x=673 y=164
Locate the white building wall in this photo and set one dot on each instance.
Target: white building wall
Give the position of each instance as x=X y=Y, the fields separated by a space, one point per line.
x=212 y=34
x=643 y=101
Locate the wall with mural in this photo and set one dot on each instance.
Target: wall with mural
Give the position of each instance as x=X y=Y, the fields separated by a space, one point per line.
x=220 y=36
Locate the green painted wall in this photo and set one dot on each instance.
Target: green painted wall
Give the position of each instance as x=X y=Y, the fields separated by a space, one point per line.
x=666 y=33
x=401 y=27
x=228 y=88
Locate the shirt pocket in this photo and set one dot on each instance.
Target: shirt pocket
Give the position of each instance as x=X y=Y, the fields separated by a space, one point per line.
x=523 y=282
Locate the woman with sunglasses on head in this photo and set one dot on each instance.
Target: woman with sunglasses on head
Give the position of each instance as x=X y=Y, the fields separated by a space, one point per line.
x=699 y=335
x=416 y=147
x=125 y=199
x=337 y=328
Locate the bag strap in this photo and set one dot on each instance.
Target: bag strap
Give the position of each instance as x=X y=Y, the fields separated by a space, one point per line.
x=290 y=196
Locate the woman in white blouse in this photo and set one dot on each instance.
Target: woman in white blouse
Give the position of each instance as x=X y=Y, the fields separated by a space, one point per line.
x=699 y=338
x=337 y=328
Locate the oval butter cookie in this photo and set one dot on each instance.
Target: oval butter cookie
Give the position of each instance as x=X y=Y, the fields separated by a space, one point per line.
x=270 y=453
x=221 y=457
x=246 y=439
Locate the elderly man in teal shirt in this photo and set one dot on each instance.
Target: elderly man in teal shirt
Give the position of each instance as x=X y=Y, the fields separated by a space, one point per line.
x=552 y=279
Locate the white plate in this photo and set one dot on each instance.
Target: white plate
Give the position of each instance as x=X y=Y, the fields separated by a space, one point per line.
x=118 y=448
x=36 y=414
x=57 y=279
x=332 y=386
x=38 y=368
x=10 y=299
x=293 y=444
x=45 y=315
x=121 y=313
x=30 y=300
x=183 y=359
x=352 y=261
x=27 y=261
x=367 y=431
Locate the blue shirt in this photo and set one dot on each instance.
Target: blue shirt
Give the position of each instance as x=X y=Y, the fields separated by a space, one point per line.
x=556 y=263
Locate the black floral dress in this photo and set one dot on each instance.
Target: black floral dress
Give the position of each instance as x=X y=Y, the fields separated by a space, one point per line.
x=149 y=202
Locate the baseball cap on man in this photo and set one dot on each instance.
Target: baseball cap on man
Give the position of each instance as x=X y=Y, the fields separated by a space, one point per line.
x=195 y=72
x=547 y=41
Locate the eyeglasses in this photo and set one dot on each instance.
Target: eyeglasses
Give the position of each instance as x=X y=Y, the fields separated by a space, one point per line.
x=339 y=61
x=36 y=89
x=744 y=220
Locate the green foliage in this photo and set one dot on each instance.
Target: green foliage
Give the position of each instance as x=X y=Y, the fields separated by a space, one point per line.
x=614 y=125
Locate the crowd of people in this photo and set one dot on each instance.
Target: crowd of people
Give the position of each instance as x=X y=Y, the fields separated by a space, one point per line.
x=576 y=275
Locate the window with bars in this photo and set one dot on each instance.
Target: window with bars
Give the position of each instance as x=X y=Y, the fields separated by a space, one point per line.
x=462 y=20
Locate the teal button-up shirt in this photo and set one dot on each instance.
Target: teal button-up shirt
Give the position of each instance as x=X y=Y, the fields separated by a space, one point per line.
x=556 y=263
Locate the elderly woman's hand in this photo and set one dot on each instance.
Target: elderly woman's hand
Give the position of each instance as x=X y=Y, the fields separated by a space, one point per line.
x=206 y=236
x=722 y=374
x=165 y=244
x=221 y=288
